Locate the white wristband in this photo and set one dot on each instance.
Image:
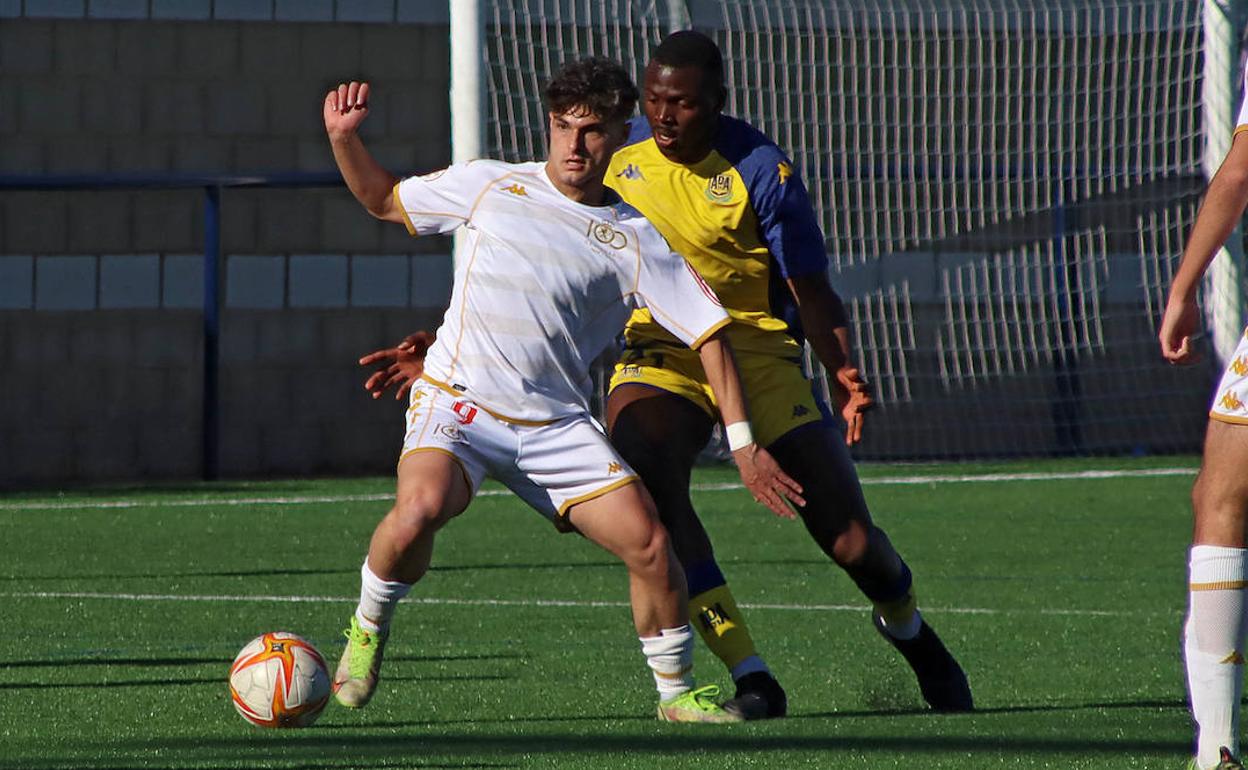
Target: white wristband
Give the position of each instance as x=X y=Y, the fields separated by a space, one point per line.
x=739 y=435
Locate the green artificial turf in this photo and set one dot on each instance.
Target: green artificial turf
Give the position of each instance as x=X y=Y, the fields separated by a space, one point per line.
x=1062 y=597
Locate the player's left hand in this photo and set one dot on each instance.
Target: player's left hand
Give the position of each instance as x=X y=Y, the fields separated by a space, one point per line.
x=853 y=395
x=401 y=365
x=769 y=484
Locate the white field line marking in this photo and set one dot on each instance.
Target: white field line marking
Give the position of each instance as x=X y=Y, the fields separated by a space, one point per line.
x=227 y=598
x=205 y=502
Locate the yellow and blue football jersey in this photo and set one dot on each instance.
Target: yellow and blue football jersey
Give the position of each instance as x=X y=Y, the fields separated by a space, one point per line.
x=743 y=219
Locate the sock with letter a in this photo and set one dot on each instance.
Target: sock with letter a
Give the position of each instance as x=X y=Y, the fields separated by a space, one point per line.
x=670 y=657
x=713 y=611
x=1213 y=646
x=378 y=599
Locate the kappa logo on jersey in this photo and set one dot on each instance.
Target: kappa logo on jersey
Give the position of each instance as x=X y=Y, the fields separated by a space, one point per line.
x=1230 y=401
x=703 y=285
x=1240 y=366
x=784 y=171
x=714 y=618
x=719 y=188
x=517 y=189
x=631 y=171
x=464 y=412
x=607 y=235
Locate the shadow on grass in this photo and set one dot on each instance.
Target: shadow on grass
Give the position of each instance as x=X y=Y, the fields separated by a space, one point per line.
x=375 y=749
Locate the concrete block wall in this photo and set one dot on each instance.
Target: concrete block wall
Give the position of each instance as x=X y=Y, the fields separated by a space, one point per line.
x=86 y=95
x=109 y=283
x=291 y=394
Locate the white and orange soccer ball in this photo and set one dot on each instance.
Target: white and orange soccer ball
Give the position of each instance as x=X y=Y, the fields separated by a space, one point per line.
x=279 y=680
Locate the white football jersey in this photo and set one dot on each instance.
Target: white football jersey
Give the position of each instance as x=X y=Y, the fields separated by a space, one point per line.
x=544 y=287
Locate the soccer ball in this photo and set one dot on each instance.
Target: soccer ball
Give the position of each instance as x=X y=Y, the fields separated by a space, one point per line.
x=279 y=680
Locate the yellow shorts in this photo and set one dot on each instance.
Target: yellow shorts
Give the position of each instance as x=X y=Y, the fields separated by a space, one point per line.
x=778 y=394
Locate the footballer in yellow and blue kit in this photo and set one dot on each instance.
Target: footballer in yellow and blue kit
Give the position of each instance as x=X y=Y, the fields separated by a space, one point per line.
x=743 y=219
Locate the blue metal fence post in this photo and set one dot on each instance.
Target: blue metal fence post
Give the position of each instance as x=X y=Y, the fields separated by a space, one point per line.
x=211 y=421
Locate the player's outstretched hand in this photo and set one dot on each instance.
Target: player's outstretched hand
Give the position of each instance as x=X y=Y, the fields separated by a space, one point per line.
x=1178 y=327
x=769 y=484
x=345 y=108
x=398 y=366
x=853 y=395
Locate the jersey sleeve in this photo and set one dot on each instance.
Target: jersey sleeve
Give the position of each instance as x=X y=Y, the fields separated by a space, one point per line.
x=786 y=218
x=438 y=202
x=678 y=299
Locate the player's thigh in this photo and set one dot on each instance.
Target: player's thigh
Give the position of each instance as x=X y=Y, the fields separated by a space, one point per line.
x=432 y=485
x=816 y=457
x=780 y=396
x=622 y=521
x=659 y=433
x=444 y=457
x=1220 y=495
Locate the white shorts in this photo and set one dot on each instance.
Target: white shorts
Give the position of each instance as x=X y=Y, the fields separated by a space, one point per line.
x=551 y=466
x=1230 y=400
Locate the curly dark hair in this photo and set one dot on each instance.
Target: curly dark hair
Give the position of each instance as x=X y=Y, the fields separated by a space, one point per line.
x=598 y=85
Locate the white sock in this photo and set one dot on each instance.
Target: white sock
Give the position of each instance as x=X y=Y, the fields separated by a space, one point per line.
x=378 y=598
x=670 y=657
x=1213 y=646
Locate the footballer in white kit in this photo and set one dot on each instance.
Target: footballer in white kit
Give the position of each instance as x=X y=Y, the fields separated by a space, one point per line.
x=1215 y=631
x=547 y=285
x=555 y=264
x=1230 y=400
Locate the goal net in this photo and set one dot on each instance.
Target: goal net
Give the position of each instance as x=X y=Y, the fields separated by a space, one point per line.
x=1004 y=190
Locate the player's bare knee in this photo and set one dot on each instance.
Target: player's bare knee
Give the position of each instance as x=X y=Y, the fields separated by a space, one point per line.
x=649 y=551
x=417 y=513
x=1220 y=508
x=849 y=549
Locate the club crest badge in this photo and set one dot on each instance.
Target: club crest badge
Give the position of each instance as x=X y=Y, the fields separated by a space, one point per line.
x=719 y=188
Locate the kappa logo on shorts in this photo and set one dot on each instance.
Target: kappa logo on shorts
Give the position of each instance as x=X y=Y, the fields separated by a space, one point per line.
x=614 y=468
x=1240 y=366
x=465 y=412
x=800 y=410
x=1230 y=401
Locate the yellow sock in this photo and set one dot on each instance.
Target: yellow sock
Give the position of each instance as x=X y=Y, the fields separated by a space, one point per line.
x=715 y=615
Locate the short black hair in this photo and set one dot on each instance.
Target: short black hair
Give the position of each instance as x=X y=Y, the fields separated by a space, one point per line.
x=600 y=85
x=690 y=48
